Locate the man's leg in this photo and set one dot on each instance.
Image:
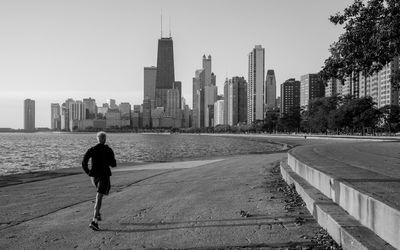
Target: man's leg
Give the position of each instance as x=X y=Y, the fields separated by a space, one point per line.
x=97 y=206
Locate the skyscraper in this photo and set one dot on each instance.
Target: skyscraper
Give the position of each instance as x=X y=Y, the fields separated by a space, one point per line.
x=55 y=117
x=112 y=104
x=236 y=101
x=290 y=96
x=204 y=95
x=125 y=110
x=210 y=97
x=255 y=86
x=333 y=87
x=150 y=74
x=178 y=85
x=270 y=90
x=165 y=70
x=91 y=107
x=29 y=115
x=219 y=112
x=198 y=82
x=379 y=85
x=311 y=87
x=77 y=112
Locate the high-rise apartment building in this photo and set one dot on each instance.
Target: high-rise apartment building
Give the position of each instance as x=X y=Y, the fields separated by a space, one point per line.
x=270 y=90
x=149 y=82
x=379 y=85
x=219 y=112
x=65 y=114
x=165 y=76
x=333 y=87
x=255 y=86
x=29 y=115
x=290 y=96
x=311 y=87
x=55 y=117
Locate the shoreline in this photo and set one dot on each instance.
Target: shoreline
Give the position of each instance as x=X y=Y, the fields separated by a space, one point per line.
x=286 y=142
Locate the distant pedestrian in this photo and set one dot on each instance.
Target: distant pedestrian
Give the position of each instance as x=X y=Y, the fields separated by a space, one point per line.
x=102 y=159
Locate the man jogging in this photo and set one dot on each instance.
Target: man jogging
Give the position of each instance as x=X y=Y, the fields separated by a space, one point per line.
x=102 y=158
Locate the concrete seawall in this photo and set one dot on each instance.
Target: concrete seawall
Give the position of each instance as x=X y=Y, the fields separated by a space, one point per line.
x=369 y=193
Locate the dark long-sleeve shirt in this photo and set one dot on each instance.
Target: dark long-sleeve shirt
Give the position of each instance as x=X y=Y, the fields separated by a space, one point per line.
x=102 y=159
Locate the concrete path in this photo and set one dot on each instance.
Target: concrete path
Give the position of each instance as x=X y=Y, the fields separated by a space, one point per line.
x=177 y=208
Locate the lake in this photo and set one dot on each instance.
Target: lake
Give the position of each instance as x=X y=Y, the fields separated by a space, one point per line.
x=27 y=152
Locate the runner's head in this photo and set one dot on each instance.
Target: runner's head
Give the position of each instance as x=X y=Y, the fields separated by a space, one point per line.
x=101 y=137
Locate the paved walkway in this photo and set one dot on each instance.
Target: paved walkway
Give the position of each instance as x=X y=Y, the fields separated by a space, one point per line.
x=196 y=207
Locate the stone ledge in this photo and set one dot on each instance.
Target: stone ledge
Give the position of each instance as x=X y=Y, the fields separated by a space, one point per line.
x=343 y=228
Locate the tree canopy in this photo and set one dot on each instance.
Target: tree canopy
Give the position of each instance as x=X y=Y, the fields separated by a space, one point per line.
x=371 y=39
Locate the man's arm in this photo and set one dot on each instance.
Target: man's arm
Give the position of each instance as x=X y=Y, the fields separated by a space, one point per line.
x=85 y=161
x=113 y=162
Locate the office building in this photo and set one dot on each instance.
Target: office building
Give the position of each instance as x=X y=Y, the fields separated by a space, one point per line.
x=235 y=104
x=210 y=97
x=311 y=87
x=178 y=85
x=270 y=90
x=91 y=108
x=204 y=95
x=290 y=97
x=29 y=115
x=111 y=104
x=125 y=110
x=256 y=86
x=146 y=122
x=165 y=76
x=55 y=117
x=173 y=100
x=149 y=87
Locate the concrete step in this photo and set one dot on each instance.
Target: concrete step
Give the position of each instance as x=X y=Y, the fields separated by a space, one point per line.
x=343 y=228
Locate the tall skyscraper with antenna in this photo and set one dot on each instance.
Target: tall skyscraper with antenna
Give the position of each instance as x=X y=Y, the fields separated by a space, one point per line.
x=165 y=77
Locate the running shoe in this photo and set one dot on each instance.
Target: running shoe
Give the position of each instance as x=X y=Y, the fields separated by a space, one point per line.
x=94 y=225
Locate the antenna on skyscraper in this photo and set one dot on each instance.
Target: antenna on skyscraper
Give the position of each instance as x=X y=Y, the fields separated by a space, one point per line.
x=161 y=23
x=170 y=26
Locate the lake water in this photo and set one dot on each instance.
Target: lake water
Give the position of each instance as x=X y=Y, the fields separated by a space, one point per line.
x=26 y=152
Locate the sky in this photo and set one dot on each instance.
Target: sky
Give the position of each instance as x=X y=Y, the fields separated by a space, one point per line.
x=51 y=50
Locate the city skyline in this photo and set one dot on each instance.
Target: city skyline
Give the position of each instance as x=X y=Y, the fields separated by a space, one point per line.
x=54 y=51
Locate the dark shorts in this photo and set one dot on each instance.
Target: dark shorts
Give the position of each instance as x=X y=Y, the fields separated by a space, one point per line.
x=102 y=184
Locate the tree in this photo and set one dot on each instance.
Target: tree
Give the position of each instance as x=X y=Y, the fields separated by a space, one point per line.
x=270 y=121
x=358 y=114
x=290 y=122
x=370 y=41
x=318 y=112
x=390 y=115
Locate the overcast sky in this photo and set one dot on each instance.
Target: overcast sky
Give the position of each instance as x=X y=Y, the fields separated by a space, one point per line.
x=51 y=50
